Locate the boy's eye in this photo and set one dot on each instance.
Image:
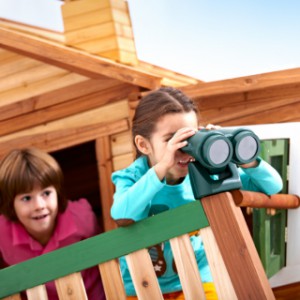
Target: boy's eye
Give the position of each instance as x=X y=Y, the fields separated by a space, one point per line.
x=26 y=198
x=47 y=193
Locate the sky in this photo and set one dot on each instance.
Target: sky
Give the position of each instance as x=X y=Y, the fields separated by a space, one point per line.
x=215 y=40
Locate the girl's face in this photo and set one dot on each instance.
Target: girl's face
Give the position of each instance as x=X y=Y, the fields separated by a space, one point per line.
x=37 y=212
x=165 y=129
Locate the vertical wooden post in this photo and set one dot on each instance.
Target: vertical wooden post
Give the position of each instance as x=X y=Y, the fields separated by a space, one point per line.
x=103 y=154
x=237 y=248
x=143 y=275
x=112 y=280
x=187 y=268
x=37 y=293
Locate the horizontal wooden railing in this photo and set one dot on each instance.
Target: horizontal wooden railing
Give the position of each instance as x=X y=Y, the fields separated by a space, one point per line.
x=63 y=266
x=101 y=250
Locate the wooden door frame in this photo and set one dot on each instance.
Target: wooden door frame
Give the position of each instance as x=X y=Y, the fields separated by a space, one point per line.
x=68 y=137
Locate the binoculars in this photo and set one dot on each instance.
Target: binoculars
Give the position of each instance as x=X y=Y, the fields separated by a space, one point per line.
x=217 y=154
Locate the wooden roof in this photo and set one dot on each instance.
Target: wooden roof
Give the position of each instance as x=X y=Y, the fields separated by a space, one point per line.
x=258 y=99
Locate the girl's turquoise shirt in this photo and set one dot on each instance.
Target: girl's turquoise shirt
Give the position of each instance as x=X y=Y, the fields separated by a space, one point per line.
x=140 y=194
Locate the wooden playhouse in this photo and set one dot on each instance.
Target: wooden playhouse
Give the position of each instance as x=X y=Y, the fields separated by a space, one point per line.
x=72 y=90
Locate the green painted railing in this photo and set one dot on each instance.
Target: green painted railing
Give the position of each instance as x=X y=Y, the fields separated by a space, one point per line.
x=102 y=248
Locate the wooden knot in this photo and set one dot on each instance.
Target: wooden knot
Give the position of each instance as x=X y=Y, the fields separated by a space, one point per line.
x=145 y=283
x=69 y=291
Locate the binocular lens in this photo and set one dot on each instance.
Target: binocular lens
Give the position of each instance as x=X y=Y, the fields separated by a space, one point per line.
x=219 y=152
x=247 y=148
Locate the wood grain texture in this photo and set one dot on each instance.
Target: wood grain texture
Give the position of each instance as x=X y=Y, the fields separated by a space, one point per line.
x=244 y=84
x=260 y=200
x=217 y=267
x=237 y=248
x=37 y=293
x=73 y=60
x=112 y=280
x=105 y=169
x=187 y=268
x=102 y=248
x=71 y=287
x=143 y=275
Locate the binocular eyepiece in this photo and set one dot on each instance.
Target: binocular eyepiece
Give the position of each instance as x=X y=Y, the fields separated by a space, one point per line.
x=215 y=149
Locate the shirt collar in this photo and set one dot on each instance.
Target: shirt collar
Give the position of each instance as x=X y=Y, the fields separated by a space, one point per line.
x=65 y=228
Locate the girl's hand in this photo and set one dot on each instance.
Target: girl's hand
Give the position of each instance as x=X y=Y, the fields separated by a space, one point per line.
x=178 y=140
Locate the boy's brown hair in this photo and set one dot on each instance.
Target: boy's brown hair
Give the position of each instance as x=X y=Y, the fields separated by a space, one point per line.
x=23 y=169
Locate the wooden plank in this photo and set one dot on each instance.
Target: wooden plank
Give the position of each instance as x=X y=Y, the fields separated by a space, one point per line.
x=60 y=139
x=102 y=248
x=102 y=115
x=187 y=268
x=237 y=248
x=245 y=111
x=122 y=161
x=62 y=89
x=260 y=200
x=105 y=168
x=244 y=84
x=144 y=278
x=121 y=16
x=30 y=75
x=287 y=113
x=97 y=46
x=217 y=267
x=41 y=32
x=17 y=64
x=95 y=32
x=37 y=293
x=50 y=92
x=13 y=297
x=7 y=55
x=73 y=60
x=65 y=109
x=124 y=30
x=126 y=44
x=14 y=102
x=121 y=143
x=79 y=7
x=71 y=287
x=87 y=19
x=112 y=280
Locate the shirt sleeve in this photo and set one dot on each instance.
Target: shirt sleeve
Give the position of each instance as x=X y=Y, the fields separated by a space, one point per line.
x=263 y=178
x=132 y=199
x=85 y=218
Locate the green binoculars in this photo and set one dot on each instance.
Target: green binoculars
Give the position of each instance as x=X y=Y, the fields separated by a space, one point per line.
x=214 y=149
x=217 y=154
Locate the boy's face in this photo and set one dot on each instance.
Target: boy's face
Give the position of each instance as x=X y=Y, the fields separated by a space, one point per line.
x=37 y=212
x=165 y=129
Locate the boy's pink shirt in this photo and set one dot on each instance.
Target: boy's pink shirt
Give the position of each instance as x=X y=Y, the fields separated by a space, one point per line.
x=78 y=222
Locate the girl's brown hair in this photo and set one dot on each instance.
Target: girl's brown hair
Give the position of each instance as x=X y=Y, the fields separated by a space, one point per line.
x=23 y=169
x=156 y=104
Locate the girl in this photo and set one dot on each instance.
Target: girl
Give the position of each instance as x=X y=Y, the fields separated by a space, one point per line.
x=158 y=180
x=35 y=216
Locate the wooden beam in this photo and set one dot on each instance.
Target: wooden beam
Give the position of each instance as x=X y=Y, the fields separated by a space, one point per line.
x=73 y=59
x=237 y=248
x=25 y=105
x=261 y=200
x=60 y=139
x=243 y=84
x=61 y=110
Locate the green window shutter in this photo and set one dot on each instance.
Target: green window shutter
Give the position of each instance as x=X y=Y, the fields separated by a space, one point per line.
x=269 y=231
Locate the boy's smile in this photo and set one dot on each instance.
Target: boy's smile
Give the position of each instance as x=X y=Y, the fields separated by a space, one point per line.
x=37 y=212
